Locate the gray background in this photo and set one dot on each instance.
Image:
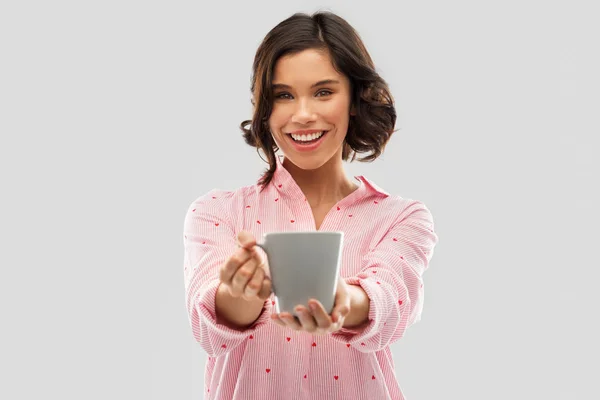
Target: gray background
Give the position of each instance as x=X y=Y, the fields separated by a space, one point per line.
x=116 y=115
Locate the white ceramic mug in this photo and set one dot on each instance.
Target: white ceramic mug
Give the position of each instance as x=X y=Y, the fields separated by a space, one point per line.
x=303 y=265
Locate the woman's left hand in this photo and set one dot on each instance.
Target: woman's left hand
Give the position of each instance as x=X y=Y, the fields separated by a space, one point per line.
x=316 y=320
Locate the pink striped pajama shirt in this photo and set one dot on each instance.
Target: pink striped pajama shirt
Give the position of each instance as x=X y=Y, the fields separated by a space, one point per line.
x=388 y=244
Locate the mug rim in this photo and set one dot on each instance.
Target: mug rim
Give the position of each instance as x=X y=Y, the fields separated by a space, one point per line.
x=305 y=232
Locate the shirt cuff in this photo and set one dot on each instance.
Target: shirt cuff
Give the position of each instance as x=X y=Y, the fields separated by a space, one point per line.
x=357 y=334
x=207 y=309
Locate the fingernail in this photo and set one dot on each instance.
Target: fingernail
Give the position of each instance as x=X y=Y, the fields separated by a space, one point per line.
x=313 y=306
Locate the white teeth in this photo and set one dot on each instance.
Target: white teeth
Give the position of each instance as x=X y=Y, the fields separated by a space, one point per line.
x=307 y=138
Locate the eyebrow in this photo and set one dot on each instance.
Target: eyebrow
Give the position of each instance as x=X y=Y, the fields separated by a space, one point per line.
x=323 y=82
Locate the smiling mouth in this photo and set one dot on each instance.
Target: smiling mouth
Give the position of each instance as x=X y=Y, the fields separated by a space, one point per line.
x=300 y=141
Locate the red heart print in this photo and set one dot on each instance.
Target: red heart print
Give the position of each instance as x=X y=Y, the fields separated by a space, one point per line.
x=203 y=242
x=402 y=258
x=258 y=222
x=288 y=338
x=400 y=302
x=214 y=197
x=276 y=199
x=421 y=285
x=347 y=344
x=374 y=271
x=224 y=346
x=193 y=210
x=273 y=302
x=338 y=209
x=363 y=344
x=251 y=336
x=314 y=344
x=304 y=376
x=292 y=221
x=376 y=202
x=247 y=206
x=379 y=283
x=186 y=236
x=280 y=185
x=336 y=377
x=216 y=224
x=350 y=215
x=395 y=240
x=373 y=377
x=268 y=370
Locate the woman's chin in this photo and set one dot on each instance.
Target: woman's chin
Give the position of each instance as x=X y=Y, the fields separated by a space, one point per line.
x=307 y=162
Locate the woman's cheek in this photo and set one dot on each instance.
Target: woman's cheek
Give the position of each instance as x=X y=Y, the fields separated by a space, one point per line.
x=335 y=108
x=278 y=118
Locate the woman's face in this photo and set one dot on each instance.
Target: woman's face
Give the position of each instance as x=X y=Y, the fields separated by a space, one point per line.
x=310 y=97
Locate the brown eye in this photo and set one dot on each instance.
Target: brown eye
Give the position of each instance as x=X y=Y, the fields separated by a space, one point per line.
x=326 y=92
x=281 y=96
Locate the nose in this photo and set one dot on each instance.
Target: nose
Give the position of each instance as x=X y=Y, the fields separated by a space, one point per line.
x=303 y=113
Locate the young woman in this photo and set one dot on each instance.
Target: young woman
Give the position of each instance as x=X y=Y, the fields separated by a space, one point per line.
x=317 y=100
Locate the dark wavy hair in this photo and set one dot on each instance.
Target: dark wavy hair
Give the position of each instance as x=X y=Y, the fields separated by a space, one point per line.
x=372 y=124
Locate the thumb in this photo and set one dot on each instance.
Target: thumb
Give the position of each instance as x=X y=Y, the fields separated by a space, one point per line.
x=342 y=300
x=246 y=240
x=262 y=261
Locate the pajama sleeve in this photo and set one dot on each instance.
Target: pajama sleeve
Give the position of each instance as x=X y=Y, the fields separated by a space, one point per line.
x=391 y=275
x=209 y=240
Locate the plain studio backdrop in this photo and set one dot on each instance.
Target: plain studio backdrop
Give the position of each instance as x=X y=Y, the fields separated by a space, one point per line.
x=116 y=115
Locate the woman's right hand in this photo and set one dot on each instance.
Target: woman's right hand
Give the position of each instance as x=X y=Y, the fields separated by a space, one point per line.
x=245 y=272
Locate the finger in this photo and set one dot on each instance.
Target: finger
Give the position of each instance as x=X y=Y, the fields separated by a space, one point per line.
x=266 y=288
x=254 y=285
x=306 y=319
x=262 y=261
x=320 y=315
x=290 y=321
x=336 y=326
x=246 y=240
x=239 y=257
x=275 y=318
x=339 y=312
x=242 y=276
x=342 y=302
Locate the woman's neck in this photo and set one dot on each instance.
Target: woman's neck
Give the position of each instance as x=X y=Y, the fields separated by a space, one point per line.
x=323 y=186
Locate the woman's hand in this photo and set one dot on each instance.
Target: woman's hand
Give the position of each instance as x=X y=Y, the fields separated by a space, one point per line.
x=245 y=273
x=316 y=320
